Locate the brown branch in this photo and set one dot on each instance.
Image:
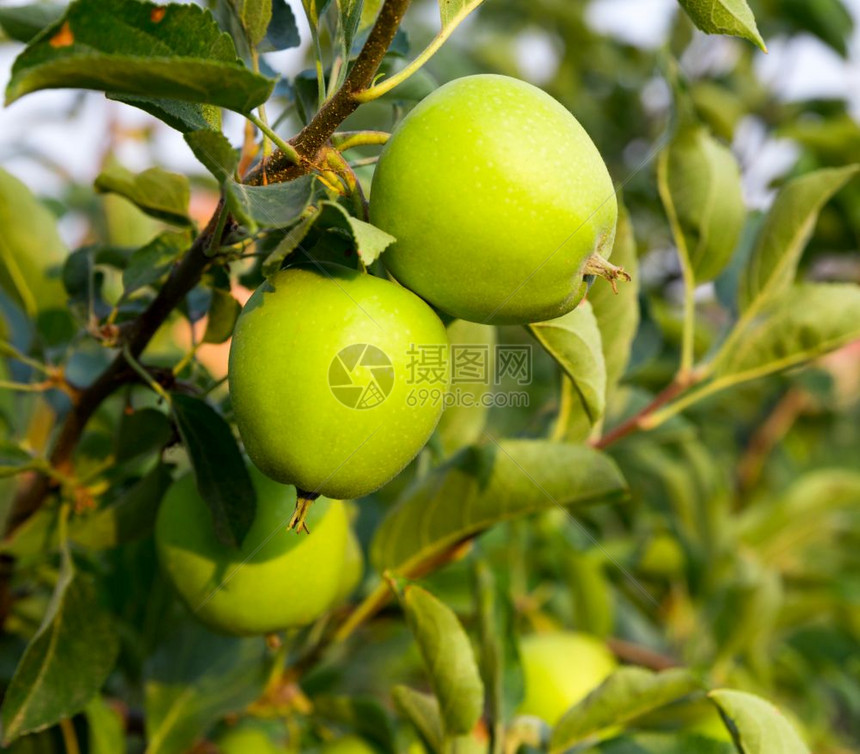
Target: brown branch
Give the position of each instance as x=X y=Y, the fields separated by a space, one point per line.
x=337 y=108
x=633 y=424
x=635 y=654
x=185 y=275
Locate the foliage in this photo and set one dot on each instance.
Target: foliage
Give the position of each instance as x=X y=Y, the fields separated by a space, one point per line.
x=682 y=482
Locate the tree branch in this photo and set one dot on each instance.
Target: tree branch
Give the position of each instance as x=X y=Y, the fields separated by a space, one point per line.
x=337 y=108
x=185 y=275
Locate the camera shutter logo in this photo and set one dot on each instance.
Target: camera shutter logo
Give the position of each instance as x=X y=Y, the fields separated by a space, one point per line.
x=361 y=376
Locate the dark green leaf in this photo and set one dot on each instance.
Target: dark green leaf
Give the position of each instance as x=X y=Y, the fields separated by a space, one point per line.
x=369 y=240
x=66 y=661
x=786 y=231
x=223 y=313
x=131 y=517
x=364 y=715
x=829 y=20
x=700 y=185
x=30 y=248
x=194 y=679
x=283 y=32
x=127 y=47
x=732 y=17
x=574 y=341
x=23 y=22
x=627 y=694
x=800 y=323
x=216 y=153
x=152 y=262
x=483 y=485
x=350 y=16
x=422 y=710
x=183 y=116
x=146 y=430
x=499 y=652
x=222 y=477
x=13 y=460
x=289 y=243
x=156 y=192
x=277 y=205
x=759 y=727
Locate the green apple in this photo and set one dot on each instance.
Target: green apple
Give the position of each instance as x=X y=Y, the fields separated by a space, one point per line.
x=347 y=745
x=560 y=669
x=353 y=568
x=497 y=198
x=323 y=367
x=247 y=739
x=273 y=581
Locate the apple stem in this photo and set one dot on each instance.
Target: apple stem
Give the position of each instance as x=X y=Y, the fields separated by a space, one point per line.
x=597 y=265
x=303 y=505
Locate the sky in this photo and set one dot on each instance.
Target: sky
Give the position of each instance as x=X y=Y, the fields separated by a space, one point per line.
x=795 y=69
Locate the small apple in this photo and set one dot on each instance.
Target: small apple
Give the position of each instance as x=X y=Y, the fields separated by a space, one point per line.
x=273 y=581
x=247 y=738
x=347 y=745
x=498 y=200
x=560 y=669
x=324 y=365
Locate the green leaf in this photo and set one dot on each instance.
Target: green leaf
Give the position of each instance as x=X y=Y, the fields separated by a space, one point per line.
x=30 y=249
x=222 y=477
x=499 y=657
x=802 y=322
x=127 y=47
x=448 y=657
x=700 y=185
x=66 y=662
x=759 y=727
x=277 y=205
x=23 y=22
x=369 y=240
x=289 y=243
x=422 y=710
x=13 y=460
x=350 y=16
x=156 y=192
x=141 y=432
x=472 y=353
x=591 y=591
x=183 y=116
x=484 y=485
x=665 y=743
x=193 y=680
x=150 y=263
x=255 y=16
x=106 y=728
x=283 y=32
x=617 y=314
x=787 y=229
x=574 y=341
x=365 y=715
x=452 y=12
x=732 y=17
x=215 y=152
x=129 y=518
x=627 y=694
x=223 y=313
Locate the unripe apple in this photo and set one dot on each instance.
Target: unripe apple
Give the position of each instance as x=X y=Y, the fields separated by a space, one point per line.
x=322 y=371
x=347 y=745
x=273 y=581
x=247 y=739
x=560 y=669
x=497 y=197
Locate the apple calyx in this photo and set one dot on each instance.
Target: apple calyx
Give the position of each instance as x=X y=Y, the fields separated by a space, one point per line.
x=597 y=265
x=303 y=506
